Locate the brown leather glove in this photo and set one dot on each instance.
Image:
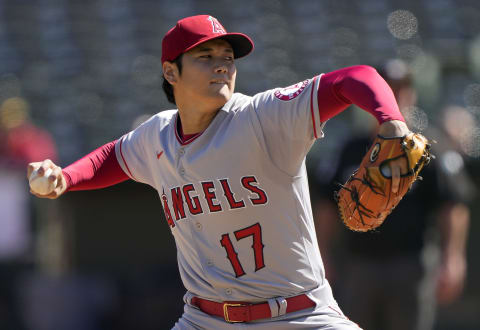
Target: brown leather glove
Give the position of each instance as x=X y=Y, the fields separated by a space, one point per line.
x=366 y=199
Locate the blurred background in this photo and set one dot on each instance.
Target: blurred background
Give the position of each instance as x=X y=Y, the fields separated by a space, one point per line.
x=77 y=74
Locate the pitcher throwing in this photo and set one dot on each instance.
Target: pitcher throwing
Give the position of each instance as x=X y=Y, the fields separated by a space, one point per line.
x=230 y=173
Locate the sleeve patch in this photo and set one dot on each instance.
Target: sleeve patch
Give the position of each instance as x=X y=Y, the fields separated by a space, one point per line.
x=291 y=92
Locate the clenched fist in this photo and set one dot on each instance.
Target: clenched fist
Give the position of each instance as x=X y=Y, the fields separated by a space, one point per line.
x=55 y=175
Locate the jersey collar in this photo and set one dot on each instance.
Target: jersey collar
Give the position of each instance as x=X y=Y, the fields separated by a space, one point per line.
x=184 y=141
x=230 y=103
x=181 y=138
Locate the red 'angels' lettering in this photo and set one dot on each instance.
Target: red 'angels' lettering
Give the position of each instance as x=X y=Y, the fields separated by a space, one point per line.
x=194 y=209
x=257 y=246
x=177 y=201
x=262 y=196
x=210 y=196
x=166 y=210
x=186 y=194
x=230 y=196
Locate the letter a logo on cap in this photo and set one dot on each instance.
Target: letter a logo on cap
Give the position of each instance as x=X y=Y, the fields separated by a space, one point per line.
x=216 y=26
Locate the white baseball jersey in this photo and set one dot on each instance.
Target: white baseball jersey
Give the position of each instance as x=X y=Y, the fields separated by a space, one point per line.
x=236 y=196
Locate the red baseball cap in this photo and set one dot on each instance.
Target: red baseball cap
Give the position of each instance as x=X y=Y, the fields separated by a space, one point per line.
x=194 y=30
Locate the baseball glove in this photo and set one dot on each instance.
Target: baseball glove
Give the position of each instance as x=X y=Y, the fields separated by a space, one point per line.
x=366 y=199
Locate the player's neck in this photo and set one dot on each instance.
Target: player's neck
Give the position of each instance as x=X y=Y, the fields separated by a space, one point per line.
x=194 y=121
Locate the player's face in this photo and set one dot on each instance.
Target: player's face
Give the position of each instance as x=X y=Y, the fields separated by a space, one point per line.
x=208 y=75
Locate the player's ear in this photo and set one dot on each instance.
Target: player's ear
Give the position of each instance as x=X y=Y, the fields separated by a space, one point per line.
x=170 y=72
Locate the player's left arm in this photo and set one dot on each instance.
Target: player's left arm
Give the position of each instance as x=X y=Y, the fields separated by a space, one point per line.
x=363 y=86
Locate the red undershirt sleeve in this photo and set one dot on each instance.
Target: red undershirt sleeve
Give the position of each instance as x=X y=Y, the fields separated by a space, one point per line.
x=98 y=169
x=360 y=85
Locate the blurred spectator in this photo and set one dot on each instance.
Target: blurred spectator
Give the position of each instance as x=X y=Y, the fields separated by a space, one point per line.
x=36 y=290
x=21 y=140
x=20 y=143
x=393 y=278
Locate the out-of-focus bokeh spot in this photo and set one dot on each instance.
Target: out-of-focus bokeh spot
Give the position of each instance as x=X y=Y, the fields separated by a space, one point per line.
x=416 y=118
x=452 y=162
x=471 y=143
x=409 y=52
x=402 y=24
x=396 y=69
x=13 y=112
x=462 y=126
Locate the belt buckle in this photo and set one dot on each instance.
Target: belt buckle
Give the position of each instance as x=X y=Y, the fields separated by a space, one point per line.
x=225 y=311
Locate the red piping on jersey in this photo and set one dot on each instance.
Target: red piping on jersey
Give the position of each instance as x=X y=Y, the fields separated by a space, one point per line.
x=123 y=158
x=311 y=108
x=336 y=311
x=184 y=139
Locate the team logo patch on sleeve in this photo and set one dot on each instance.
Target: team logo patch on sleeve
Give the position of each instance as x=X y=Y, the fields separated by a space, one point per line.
x=291 y=92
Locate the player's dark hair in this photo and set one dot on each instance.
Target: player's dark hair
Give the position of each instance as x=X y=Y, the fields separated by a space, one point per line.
x=167 y=87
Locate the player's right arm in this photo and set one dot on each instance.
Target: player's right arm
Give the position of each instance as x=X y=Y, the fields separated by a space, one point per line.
x=98 y=169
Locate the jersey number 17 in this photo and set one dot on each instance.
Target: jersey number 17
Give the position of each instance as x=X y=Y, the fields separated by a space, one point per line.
x=257 y=246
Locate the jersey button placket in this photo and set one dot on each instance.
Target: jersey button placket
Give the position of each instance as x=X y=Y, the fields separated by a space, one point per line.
x=181 y=170
x=180 y=154
x=198 y=226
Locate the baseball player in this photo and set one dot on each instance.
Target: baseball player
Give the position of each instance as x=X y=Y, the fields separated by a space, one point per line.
x=230 y=172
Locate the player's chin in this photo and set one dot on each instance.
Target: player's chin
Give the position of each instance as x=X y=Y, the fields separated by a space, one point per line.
x=221 y=94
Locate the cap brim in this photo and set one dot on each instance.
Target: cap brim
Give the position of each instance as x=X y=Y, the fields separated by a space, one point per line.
x=241 y=43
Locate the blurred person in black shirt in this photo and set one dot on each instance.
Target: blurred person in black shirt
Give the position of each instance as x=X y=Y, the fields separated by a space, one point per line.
x=394 y=277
